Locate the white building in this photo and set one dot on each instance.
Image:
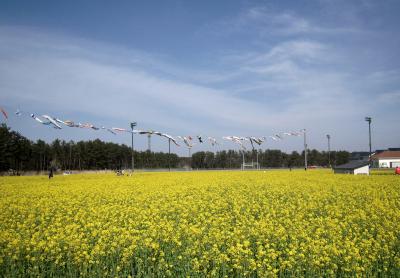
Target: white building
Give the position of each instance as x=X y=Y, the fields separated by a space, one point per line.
x=355 y=167
x=386 y=159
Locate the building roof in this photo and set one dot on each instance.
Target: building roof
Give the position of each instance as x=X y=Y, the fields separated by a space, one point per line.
x=387 y=154
x=353 y=164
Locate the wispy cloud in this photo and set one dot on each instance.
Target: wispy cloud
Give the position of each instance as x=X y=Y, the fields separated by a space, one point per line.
x=266 y=21
x=284 y=22
x=99 y=85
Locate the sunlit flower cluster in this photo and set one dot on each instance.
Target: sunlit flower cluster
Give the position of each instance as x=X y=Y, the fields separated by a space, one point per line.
x=254 y=223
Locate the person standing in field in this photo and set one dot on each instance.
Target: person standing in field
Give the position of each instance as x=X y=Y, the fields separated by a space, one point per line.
x=53 y=168
x=51 y=172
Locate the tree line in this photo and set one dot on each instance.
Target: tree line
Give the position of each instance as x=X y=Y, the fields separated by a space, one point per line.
x=267 y=159
x=21 y=154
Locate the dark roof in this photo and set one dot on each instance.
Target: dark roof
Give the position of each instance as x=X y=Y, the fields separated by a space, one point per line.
x=353 y=164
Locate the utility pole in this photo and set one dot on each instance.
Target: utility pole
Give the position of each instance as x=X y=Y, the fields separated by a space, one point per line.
x=70 y=155
x=190 y=157
x=133 y=124
x=258 y=166
x=243 y=159
x=369 y=119
x=329 y=150
x=169 y=154
x=305 y=150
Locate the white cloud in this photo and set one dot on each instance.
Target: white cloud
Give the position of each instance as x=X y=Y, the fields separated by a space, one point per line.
x=82 y=81
x=267 y=22
x=283 y=22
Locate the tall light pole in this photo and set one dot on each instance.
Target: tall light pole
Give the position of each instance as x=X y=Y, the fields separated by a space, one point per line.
x=305 y=150
x=133 y=124
x=329 y=150
x=243 y=159
x=169 y=154
x=190 y=157
x=258 y=166
x=149 y=142
x=368 y=119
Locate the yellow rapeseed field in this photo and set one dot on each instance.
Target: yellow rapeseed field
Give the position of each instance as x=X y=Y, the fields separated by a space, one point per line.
x=264 y=224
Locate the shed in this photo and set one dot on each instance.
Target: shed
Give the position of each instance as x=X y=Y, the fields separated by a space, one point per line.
x=354 y=167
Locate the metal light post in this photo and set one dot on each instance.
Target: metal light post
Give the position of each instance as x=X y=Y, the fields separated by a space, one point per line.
x=133 y=124
x=149 y=142
x=305 y=150
x=243 y=159
x=70 y=157
x=258 y=166
x=169 y=154
x=369 y=119
x=329 y=150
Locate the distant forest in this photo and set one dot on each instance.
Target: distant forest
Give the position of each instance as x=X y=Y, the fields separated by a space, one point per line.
x=267 y=159
x=21 y=154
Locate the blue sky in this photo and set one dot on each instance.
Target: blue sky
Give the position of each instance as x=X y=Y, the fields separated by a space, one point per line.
x=216 y=68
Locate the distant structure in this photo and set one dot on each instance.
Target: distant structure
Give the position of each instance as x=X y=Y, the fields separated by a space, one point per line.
x=252 y=165
x=389 y=158
x=354 y=167
x=359 y=156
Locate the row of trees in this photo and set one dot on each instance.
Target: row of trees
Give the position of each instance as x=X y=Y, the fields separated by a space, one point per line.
x=20 y=154
x=267 y=158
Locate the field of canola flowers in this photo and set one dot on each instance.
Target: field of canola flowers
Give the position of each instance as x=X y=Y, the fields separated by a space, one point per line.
x=232 y=224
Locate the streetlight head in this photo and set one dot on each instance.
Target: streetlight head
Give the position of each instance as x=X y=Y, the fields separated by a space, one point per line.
x=133 y=124
x=368 y=119
x=328 y=136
